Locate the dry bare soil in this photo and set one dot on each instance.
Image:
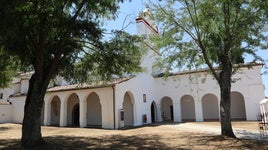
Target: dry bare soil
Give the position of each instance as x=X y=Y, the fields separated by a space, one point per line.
x=203 y=135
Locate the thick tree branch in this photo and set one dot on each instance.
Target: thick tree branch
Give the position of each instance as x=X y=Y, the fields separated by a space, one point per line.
x=54 y=64
x=204 y=52
x=193 y=19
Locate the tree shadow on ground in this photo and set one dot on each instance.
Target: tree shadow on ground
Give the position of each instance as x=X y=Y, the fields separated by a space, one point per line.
x=223 y=142
x=107 y=142
x=183 y=139
x=193 y=141
x=245 y=134
x=9 y=144
x=4 y=128
x=156 y=124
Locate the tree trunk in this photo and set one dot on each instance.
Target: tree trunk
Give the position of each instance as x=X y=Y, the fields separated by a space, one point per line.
x=31 y=127
x=225 y=103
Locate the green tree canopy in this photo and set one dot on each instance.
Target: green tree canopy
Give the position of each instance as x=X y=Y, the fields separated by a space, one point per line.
x=188 y=27
x=113 y=58
x=67 y=32
x=218 y=33
x=62 y=37
x=8 y=67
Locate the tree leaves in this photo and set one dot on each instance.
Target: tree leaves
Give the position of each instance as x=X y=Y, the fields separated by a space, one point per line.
x=117 y=57
x=216 y=27
x=8 y=67
x=57 y=36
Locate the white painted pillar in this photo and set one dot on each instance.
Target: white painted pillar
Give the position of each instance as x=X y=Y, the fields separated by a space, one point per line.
x=135 y=114
x=251 y=108
x=219 y=106
x=198 y=110
x=177 y=112
x=107 y=112
x=47 y=113
x=63 y=111
x=82 y=108
x=159 y=113
x=82 y=115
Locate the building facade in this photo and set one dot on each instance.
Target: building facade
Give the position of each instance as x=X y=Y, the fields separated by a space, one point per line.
x=140 y=99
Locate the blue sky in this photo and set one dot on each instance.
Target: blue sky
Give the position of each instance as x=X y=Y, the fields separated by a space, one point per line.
x=126 y=19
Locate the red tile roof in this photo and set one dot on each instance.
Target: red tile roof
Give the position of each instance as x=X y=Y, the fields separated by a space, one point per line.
x=89 y=86
x=245 y=65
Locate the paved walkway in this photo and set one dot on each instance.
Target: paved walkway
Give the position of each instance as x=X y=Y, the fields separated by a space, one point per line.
x=240 y=133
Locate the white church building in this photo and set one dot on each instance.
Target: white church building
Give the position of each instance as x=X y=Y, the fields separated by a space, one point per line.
x=139 y=99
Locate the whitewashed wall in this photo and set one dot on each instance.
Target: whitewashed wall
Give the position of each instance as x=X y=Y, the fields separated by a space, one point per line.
x=24 y=86
x=6 y=93
x=197 y=85
x=249 y=84
x=5 y=113
x=142 y=84
x=106 y=100
x=17 y=108
x=252 y=88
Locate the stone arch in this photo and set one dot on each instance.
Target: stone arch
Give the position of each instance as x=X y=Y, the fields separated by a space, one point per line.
x=72 y=108
x=210 y=107
x=238 y=110
x=55 y=111
x=128 y=107
x=187 y=108
x=94 y=110
x=167 y=109
x=153 y=112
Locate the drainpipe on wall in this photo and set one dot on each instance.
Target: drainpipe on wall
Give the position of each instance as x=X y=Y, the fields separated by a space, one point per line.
x=113 y=86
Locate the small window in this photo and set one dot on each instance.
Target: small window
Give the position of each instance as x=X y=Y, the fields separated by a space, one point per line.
x=144 y=97
x=1 y=96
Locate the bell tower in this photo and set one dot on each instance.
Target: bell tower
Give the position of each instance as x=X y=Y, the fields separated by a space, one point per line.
x=145 y=23
x=147 y=27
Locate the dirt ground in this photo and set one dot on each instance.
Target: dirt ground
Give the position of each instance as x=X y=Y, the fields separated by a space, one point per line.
x=201 y=135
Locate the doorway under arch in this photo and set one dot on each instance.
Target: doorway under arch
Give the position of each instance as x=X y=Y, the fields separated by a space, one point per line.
x=167 y=109
x=75 y=115
x=238 y=111
x=55 y=111
x=73 y=110
x=210 y=107
x=153 y=112
x=128 y=107
x=94 y=111
x=187 y=108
